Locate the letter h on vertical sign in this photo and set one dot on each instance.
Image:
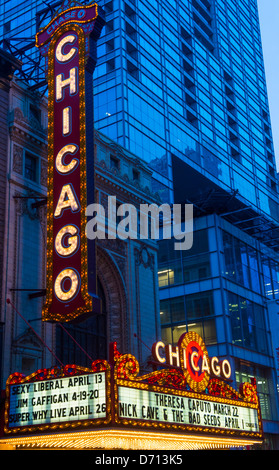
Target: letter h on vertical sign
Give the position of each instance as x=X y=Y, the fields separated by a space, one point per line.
x=68 y=43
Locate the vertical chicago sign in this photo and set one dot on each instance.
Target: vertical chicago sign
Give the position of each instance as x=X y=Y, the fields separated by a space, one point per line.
x=68 y=43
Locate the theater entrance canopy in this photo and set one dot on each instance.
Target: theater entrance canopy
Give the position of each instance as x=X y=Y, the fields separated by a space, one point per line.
x=186 y=402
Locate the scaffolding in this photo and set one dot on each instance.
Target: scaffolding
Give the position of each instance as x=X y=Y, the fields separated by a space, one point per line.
x=32 y=70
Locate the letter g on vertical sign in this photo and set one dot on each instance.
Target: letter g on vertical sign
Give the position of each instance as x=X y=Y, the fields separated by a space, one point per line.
x=65 y=42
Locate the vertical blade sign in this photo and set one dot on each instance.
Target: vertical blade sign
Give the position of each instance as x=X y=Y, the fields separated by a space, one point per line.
x=69 y=43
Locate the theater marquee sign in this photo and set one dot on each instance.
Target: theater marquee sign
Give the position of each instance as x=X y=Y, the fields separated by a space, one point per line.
x=68 y=44
x=52 y=399
x=191 y=397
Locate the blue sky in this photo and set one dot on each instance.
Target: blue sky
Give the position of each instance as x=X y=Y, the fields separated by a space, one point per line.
x=269 y=22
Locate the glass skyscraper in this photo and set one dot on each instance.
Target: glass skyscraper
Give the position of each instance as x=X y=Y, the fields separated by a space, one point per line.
x=182 y=79
x=186 y=79
x=182 y=85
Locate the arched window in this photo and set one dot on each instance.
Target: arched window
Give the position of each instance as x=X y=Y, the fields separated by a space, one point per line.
x=90 y=334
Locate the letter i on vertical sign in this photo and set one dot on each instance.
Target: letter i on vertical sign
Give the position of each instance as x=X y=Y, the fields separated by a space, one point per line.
x=68 y=43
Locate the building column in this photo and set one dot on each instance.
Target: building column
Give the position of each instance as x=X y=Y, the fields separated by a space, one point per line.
x=8 y=65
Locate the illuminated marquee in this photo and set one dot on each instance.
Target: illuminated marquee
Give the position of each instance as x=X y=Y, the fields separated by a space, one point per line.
x=67 y=42
x=191 y=355
x=115 y=395
x=54 y=399
x=188 y=396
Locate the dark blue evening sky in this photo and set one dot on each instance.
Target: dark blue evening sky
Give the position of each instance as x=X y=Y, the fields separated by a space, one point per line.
x=269 y=22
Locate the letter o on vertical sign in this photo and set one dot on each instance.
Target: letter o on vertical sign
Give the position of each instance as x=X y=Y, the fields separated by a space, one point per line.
x=65 y=44
x=63 y=293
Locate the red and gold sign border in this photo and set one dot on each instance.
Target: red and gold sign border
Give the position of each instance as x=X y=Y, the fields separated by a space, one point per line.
x=46 y=315
x=67 y=21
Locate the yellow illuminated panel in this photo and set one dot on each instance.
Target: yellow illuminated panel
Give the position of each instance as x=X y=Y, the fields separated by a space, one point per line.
x=131 y=439
x=59 y=400
x=167 y=410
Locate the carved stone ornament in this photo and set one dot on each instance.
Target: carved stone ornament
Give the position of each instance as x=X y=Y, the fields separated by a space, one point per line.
x=144 y=257
x=17 y=159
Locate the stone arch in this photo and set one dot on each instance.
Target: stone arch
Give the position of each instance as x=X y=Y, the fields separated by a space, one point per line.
x=116 y=301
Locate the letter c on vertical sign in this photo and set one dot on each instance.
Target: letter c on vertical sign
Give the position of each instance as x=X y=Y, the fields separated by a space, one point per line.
x=59 y=54
x=59 y=162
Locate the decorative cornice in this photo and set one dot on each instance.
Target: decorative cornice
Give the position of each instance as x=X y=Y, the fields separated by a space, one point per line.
x=27 y=340
x=120 y=151
x=30 y=128
x=122 y=182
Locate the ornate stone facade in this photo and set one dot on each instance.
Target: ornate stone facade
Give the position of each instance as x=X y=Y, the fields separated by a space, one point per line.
x=24 y=225
x=135 y=261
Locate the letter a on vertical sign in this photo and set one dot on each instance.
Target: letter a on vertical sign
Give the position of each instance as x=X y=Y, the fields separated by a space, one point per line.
x=68 y=43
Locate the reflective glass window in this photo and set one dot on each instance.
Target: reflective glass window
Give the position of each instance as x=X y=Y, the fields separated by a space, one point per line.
x=247 y=323
x=245 y=372
x=241 y=262
x=189 y=313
